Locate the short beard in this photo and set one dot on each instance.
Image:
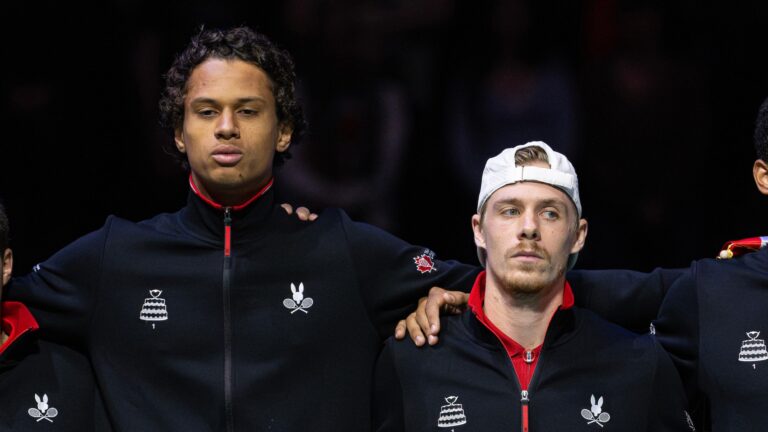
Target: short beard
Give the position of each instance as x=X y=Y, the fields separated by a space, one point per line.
x=526 y=288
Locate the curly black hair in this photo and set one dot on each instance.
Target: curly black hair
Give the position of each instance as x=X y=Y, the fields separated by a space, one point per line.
x=3 y=229
x=761 y=132
x=240 y=43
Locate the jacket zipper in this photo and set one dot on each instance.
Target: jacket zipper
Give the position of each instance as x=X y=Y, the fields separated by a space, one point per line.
x=524 y=395
x=228 y=411
x=524 y=399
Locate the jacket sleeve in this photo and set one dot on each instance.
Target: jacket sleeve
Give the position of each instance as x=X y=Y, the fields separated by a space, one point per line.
x=628 y=298
x=668 y=410
x=387 y=412
x=393 y=275
x=677 y=329
x=60 y=292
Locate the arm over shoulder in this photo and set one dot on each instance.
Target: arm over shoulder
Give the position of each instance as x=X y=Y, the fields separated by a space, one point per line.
x=393 y=274
x=60 y=292
x=628 y=298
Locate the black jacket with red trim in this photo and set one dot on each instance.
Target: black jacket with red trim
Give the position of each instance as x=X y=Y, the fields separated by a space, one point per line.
x=714 y=322
x=281 y=335
x=707 y=318
x=591 y=375
x=43 y=386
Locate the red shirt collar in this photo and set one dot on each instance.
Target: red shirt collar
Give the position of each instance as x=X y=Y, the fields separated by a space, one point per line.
x=476 y=299
x=216 y=205
x=17 y=320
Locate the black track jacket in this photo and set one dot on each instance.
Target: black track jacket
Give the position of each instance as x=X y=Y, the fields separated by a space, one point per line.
x=713 y=321
x=274 y=327
x=591 y=375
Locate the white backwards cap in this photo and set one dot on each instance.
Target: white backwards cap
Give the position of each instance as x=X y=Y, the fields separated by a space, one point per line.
x=501 y=171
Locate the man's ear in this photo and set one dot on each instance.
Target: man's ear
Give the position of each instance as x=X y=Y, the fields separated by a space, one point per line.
x=760 y=173
x=284 y=137
x=178 y=137
x=7 y=265
x=477 y=229
x=581 y=236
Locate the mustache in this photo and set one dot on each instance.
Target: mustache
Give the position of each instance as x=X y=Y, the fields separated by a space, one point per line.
x=529 y=250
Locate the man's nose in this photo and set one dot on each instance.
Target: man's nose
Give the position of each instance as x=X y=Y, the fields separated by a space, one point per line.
x=529 y=228
x=226 y=126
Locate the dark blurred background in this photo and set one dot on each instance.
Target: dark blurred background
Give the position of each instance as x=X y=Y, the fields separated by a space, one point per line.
x=654 y=102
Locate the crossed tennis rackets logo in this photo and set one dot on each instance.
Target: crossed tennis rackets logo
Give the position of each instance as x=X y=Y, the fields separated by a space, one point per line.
x=595 y=414
x=298 y=302
x=43 y=411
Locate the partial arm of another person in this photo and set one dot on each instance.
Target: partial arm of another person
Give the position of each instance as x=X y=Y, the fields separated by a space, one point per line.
x=628 y=298
x=61 y=292
x=393 y=274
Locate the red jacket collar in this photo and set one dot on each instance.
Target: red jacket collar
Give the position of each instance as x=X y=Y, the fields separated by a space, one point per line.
x=17 y=321
x=216 y=205
x=477 y=297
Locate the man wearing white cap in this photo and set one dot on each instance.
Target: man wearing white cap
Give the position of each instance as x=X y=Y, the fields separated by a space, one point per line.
x=522 y=344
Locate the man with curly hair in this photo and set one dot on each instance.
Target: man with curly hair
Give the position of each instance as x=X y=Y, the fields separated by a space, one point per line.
x=226 y=315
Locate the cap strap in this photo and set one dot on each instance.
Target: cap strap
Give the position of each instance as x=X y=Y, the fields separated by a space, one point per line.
x=544 y=175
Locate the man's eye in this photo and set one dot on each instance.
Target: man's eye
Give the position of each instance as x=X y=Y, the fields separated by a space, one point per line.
x=510 y=212
x=248 y=112
x=207 y=113
x=550 y=214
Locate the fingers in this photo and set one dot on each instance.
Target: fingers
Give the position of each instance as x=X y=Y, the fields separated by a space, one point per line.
x=400 y=330
x=425 y=321
x=430 y=313
x=414 y=330
x=455 y=302
x=422 y=320
x=305 y=214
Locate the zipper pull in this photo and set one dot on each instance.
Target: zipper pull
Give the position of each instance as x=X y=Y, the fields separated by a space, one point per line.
x=524 y=409
x=227 y=230
x=529 y=357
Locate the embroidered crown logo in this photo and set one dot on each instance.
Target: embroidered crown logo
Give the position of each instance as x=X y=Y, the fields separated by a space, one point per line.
x=753 y=350
x=425 y=263
x=298 y=302
x=451 y=415
x=595 y=414
x=154 y=308
x=43 y=411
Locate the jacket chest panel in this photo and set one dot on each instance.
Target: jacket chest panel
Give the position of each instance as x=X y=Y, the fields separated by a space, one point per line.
x=290 y=299
x=297 y=302
x=733 y=330
x=47 y=391
x=158 y=305
x=576 y=386
x=495 y=405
